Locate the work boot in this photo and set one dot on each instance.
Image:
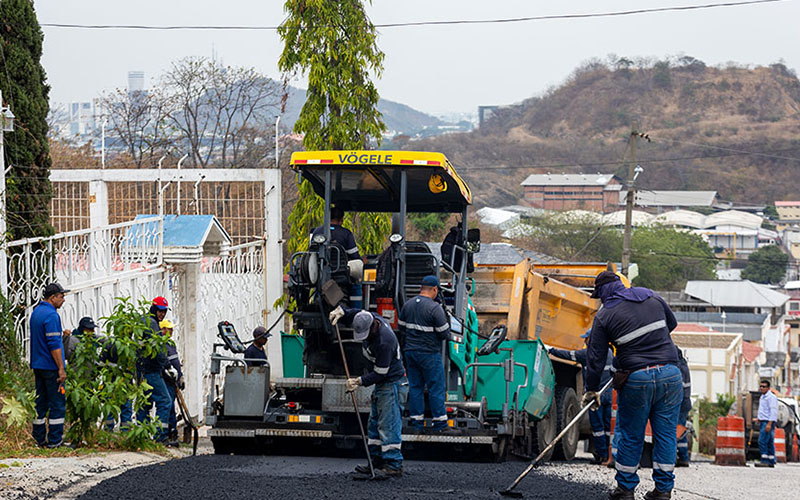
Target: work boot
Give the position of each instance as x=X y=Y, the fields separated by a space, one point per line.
x=391 y=471
x=621 y=493
x=682 y=463
x=762 y=464
x=364 y=468
x=610 y=463
x=598 y=460
x=657 y=494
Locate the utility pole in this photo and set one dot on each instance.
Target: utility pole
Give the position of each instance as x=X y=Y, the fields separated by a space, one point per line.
x=633 y=172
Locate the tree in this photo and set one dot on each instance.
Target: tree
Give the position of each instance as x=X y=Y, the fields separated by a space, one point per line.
x=23 y=82
x=335 y=44
x=139 y=121
x=766 y=265
x=215 y=108
x=572 y=238
x=668 y=258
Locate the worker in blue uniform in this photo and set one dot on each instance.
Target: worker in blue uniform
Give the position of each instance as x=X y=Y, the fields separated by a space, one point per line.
x=599 y=416
x=47 y=361
x=344 y=237
x=686 y=407
x=424 y=326
x=387 y=374
x=767 y=420
x=150 y=367
x=173 y=376
x=256 y=352
x=647 y=379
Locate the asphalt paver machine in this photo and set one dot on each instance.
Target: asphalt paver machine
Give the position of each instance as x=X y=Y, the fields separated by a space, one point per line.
x=497 y=388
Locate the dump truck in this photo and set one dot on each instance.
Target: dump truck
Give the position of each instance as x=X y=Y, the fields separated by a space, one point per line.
x=500 y=382
x=550 y=303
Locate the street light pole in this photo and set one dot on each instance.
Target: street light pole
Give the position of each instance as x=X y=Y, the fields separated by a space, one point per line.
x=103 y=144
x=633 y=172
x=6 y=125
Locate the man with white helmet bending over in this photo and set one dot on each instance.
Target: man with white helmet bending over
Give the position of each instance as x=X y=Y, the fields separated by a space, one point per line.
x=390 y=394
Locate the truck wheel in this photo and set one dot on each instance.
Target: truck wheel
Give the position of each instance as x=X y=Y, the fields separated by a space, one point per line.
x=544 y=431
x=566 y=407
x=690 y=442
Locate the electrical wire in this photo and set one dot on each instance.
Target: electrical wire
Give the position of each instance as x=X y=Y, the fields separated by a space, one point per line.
x=424 y=23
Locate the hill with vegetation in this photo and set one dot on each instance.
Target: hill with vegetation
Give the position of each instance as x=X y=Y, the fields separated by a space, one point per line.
x=733 y=129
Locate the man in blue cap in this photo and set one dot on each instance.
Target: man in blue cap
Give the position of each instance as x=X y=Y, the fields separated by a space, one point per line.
x=425 y=326
x=599 y=416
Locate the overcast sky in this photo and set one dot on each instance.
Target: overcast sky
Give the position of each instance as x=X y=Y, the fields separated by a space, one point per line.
x=431 y=68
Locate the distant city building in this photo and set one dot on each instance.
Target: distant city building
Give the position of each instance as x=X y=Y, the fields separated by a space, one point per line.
x=597 y=192
x=81 y=118
x=788 y=211
x=661 y=201
x=135 y=81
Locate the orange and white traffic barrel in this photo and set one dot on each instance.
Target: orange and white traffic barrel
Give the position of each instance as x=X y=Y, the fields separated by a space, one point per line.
x=730 y=441
x=780 y=445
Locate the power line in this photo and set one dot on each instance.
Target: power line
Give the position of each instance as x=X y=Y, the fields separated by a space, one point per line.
x=420 y=23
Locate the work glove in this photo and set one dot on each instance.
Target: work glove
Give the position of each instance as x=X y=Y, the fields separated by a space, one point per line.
x=172 y=373
x=181 y=383
x=336 y=315
x=591 y=396
x=352 y=384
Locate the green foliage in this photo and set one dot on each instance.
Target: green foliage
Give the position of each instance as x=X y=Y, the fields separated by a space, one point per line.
x=430 y=225
x=668 y=258
x=661 y=75
x=766 y=265
x=335 y=44
x=573 y=238
x=709 y=412
x=96 y=389
x=22 y=81
x=771 y=212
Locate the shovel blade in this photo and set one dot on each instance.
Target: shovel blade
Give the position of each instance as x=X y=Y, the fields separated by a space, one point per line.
x=511 y=493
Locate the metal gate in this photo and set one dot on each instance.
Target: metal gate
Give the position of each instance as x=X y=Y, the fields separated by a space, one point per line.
x=97 y=265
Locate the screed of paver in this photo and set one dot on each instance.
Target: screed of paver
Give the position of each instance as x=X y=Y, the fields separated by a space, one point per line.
x=224 y=477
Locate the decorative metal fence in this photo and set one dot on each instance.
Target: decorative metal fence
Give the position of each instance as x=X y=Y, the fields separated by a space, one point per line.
x=97 y=265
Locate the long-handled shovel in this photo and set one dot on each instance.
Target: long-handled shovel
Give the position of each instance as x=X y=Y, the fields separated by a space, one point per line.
x=355 y=404
x=187 y=418
x=509 y=492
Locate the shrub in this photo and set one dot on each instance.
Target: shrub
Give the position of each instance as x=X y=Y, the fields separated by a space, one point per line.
x=97 y=389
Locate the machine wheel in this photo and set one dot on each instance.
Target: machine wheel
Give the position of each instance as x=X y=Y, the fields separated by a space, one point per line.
x=690 y=441
x=544 y=431
x=500 y=448
x=566 y=407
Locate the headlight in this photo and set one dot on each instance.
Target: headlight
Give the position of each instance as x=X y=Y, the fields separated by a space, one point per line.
x=319 y=239
x=396 y=238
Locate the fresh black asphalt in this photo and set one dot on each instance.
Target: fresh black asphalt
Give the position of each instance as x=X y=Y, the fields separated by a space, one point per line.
x=223 y=477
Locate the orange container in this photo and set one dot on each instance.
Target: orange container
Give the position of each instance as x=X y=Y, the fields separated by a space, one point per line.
x=387 y=310
x=730 y=441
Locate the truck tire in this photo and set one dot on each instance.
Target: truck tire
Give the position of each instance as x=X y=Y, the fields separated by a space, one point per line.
x=566 y=407
x=544 y=431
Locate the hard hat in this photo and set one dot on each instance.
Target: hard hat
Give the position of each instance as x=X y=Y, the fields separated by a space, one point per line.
x=437 y=184
x=167 y=324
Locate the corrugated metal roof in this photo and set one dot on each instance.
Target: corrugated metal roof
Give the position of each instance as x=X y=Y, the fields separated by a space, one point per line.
x=735 y=294
x=500 y=253
x=734 y=218
x=750 y=351
x=648 y=198
x=684 y=218
x=568 y=180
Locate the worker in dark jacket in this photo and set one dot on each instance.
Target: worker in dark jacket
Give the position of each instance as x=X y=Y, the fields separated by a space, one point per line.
x=599 y=416
x=150 y=368
x=86 y=326
x=173 y=376
x=638 y=323
x=686 y=407
x=47 y=361
x=344 y=237
x=387 y=374
x=424 y=326
x=258 y=349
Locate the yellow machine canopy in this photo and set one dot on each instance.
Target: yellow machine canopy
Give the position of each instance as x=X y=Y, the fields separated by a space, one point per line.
x=371 y=181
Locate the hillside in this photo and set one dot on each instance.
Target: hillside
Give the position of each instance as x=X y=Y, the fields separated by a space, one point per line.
x=696 y=116
x=399 y=118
